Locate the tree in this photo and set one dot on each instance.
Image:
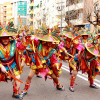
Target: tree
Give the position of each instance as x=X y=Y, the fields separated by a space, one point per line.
x=70 y=15
x=92 y=13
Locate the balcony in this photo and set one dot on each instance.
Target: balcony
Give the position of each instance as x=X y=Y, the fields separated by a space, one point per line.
x=77 y=22
x=75 y=7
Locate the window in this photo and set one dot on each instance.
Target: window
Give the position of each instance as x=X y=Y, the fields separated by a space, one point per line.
x=80 y=15
x=71 y=2
x=72 y=14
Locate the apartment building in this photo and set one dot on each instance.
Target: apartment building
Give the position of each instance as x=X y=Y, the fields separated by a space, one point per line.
x=31 y=12
x=20 y=8
x=76 y=11
x=13 y=9
x=49 y=12
x=1 y=14
x=38 y=14
x=60 y=12
x=5 y=13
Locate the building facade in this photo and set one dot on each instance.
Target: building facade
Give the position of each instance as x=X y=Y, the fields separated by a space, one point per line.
x=20 y=8
x=60 y=13
x=49 y=12
x=1 y=13
x=31 y=12
x=12 y=10
x=75 y=12
x=79 y=12
x=5 y=13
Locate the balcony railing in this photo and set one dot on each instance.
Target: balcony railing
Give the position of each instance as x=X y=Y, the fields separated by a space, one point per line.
x=75 y=7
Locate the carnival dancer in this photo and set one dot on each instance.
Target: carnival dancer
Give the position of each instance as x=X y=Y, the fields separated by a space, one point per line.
x=78 y=48
x=31 y=59
x=65 y=45
x=9 y=63
x=43 y=58
x=80 y=62
x=47 y=49
x=29 y=32
x=94 y=69
x=68 y=44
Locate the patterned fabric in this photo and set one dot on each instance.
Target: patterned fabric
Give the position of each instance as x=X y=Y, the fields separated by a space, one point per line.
x=49 y=55
x=8 y=58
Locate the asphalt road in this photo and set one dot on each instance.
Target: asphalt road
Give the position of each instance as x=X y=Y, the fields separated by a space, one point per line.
x=45 y=90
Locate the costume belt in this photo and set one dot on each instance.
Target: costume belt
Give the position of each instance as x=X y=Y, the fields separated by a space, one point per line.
x=8 y=62
x=67 y=48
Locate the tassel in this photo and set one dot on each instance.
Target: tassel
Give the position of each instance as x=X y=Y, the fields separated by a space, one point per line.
x=33 y=46
x=72 y=80
x=15 y=90
x=27 y=86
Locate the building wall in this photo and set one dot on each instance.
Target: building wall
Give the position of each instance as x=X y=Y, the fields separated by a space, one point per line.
x=74 y=11
x=20 y=8
x=31 y=13
x=13 y=9
x=28 y=12
x=7 y=12
x=22 y=11
x=49 y=13
x=80 y=11
x=37 y=15
x=1 y=14
x=60 y=12
x=88 y=8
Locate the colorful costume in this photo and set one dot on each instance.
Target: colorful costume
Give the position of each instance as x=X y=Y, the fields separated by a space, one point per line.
x=32 y=58
x=9 y=58
x=47 y=49
x=81 y=60
x=41 y=58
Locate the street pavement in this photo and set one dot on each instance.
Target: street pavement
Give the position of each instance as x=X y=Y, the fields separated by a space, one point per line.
x=45 y=90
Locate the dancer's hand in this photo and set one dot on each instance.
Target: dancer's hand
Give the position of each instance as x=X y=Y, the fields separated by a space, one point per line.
x=3 y=69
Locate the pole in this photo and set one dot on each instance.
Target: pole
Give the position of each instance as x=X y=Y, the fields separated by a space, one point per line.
x=61 y=18
x=68 y=13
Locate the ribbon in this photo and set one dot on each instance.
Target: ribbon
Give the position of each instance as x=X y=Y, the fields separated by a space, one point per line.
x=14 y=78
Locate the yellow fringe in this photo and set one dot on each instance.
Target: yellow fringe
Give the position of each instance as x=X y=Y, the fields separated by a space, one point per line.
x=33 y=67
x=50 y=72
x=23 y=58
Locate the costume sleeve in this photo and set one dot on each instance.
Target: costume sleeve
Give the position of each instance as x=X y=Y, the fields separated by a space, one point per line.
x=53 y=59
x=97 y=64
x=0 y=65
x=21 y=45
x=61 y=45
x=24 y=56
x=55 y=65
x=79 y=47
